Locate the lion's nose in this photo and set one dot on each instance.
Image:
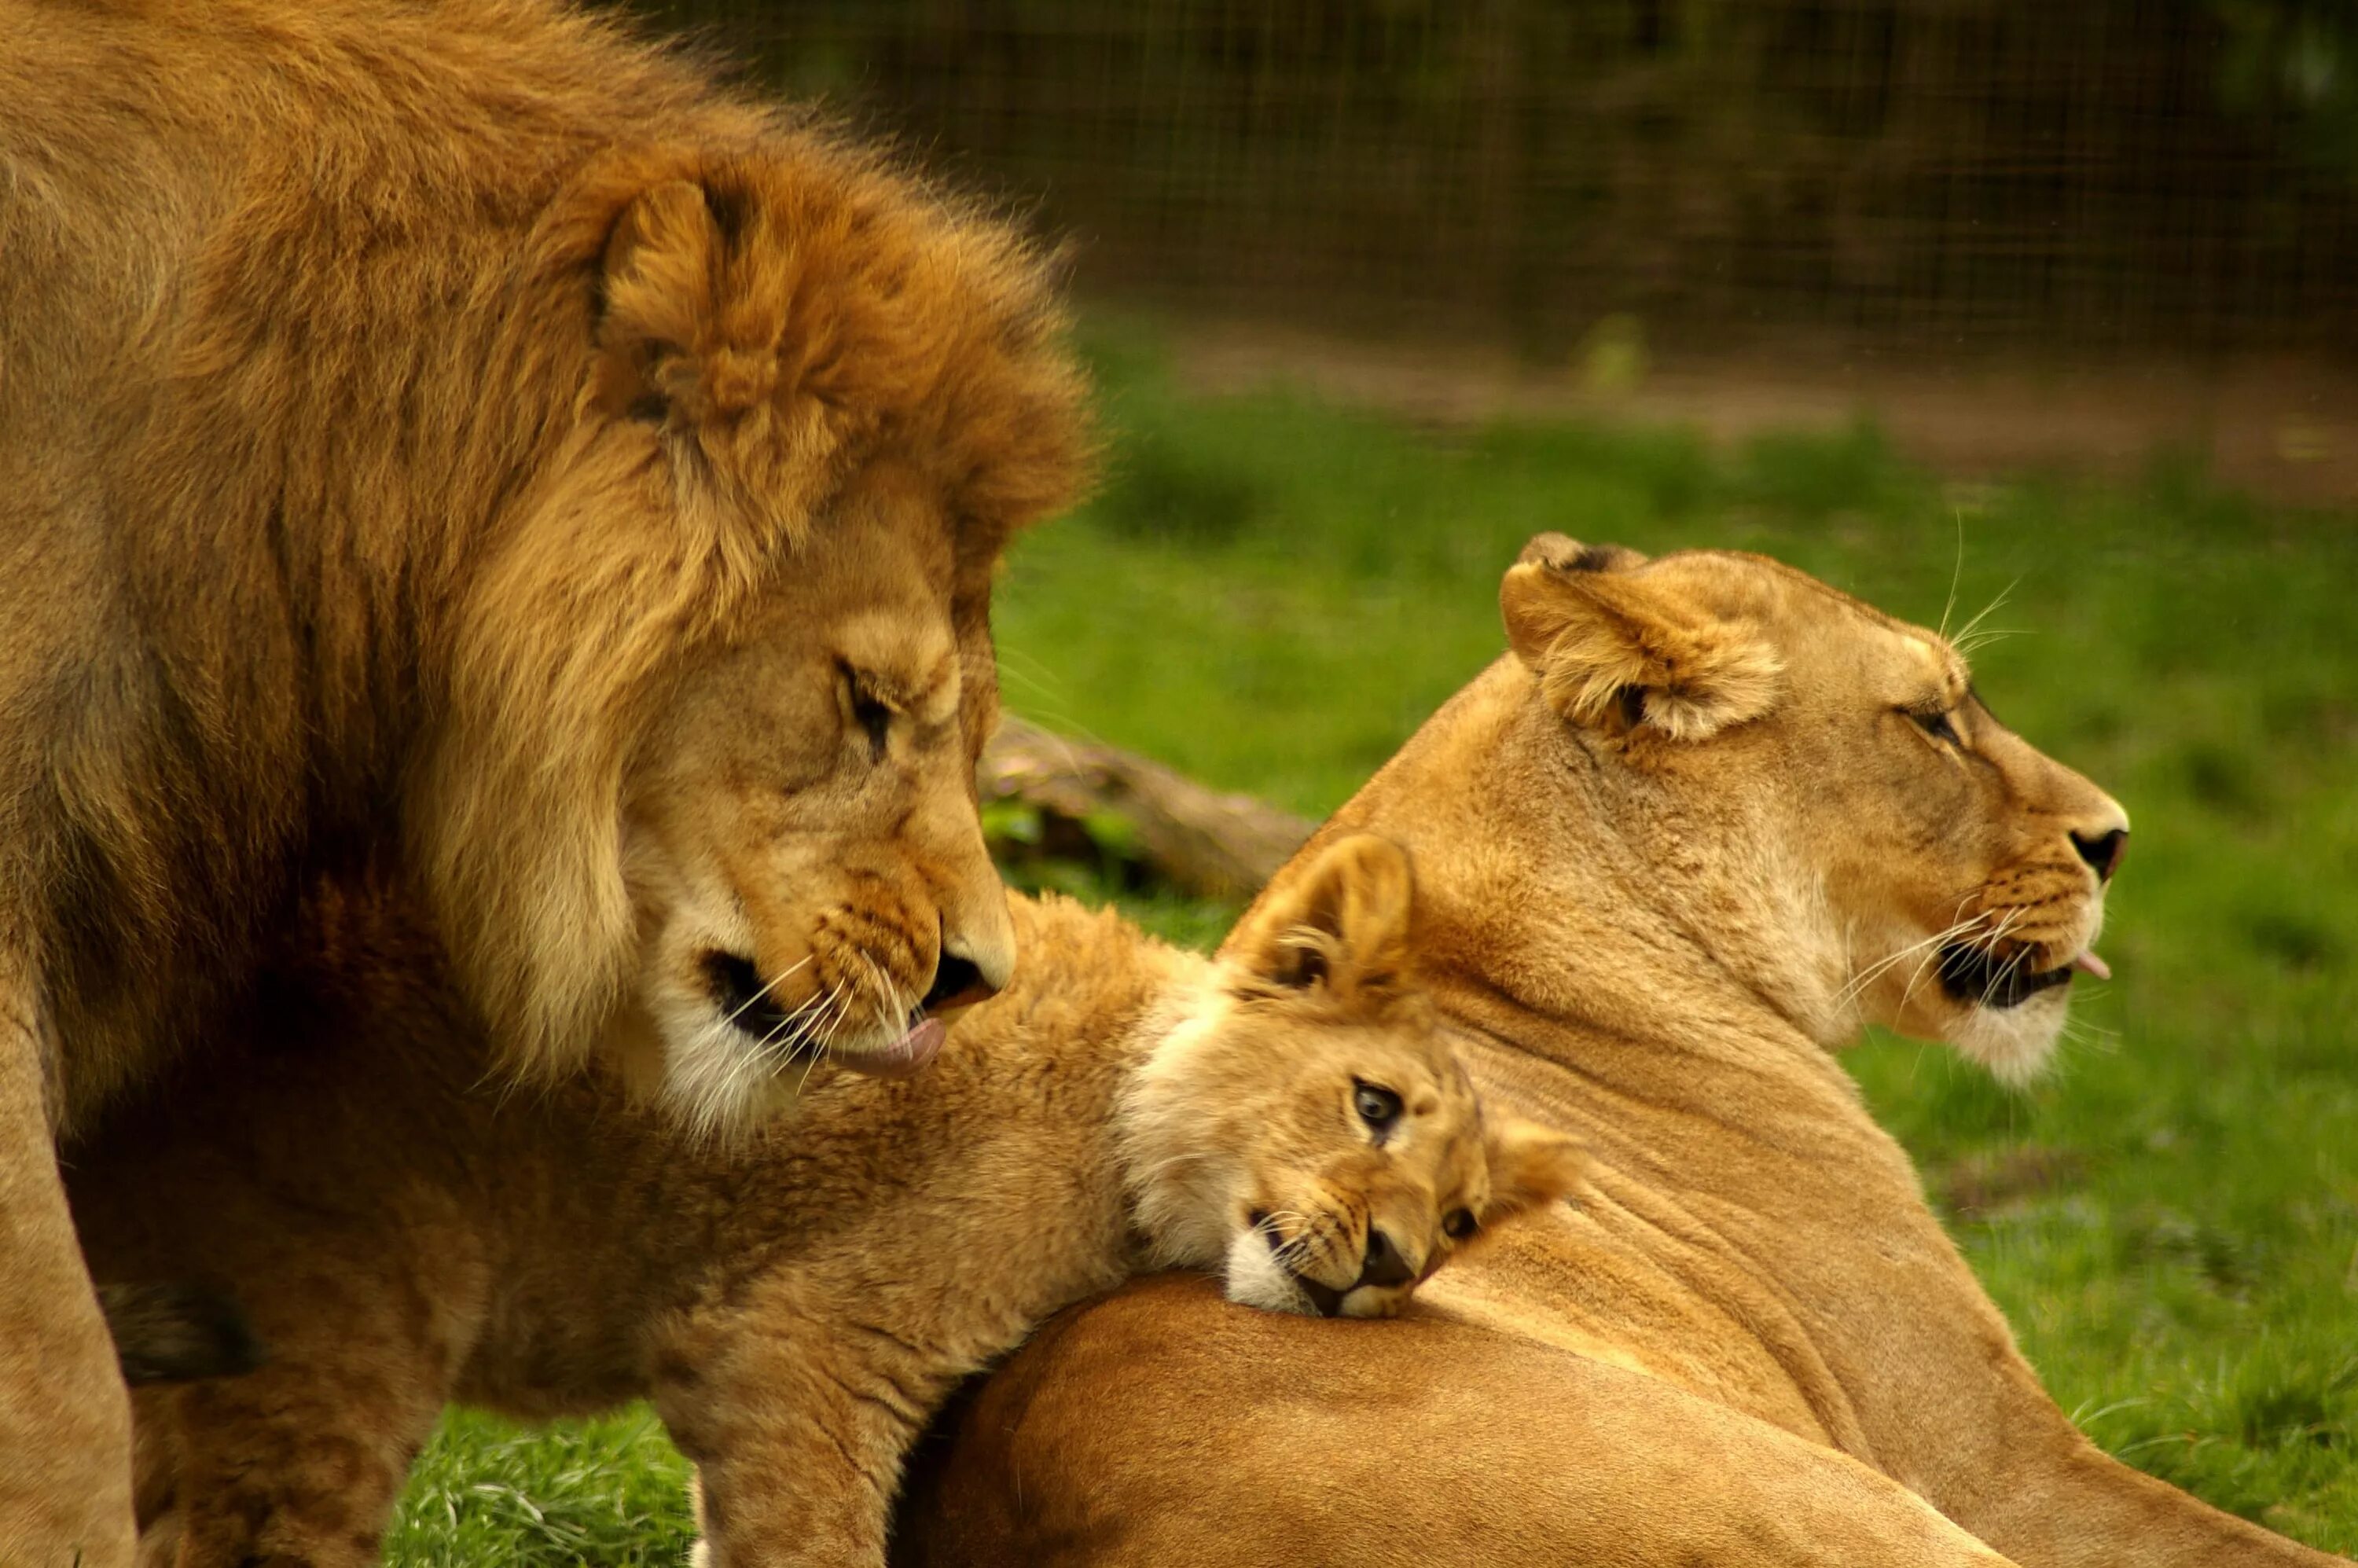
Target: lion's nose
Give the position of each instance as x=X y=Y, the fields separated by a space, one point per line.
x=2103 y=850
x=1384 y=1266
x=958 y=982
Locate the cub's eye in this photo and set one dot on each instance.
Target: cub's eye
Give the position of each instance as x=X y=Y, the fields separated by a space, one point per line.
x=1936 y=725
x=1458 y=1224
x=1377 y=1106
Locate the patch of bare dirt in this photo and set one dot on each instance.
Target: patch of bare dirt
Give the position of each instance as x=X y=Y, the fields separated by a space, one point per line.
x=2282 y=427
x=1980 y=1186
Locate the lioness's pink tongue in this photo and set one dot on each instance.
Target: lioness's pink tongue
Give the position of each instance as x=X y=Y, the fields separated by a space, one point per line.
x=905 y=1056
x=2089 y=964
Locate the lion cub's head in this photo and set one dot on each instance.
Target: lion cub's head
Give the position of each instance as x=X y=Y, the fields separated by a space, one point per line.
x=1817 y=792
x=1305 y=1126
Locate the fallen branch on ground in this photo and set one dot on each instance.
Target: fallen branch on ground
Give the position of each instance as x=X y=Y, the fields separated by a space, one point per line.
x=1203 y=841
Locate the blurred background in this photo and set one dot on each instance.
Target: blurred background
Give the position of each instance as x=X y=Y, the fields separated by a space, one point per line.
x=2015 y=231
x=2040 y=318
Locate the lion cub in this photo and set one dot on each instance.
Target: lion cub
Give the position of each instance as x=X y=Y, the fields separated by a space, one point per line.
x=798 y=1307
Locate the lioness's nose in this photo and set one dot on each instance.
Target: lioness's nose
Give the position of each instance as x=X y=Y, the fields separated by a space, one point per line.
x=1384 y=1266
x=2103 y=850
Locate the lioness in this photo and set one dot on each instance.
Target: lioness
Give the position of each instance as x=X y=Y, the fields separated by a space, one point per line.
x=798 y=1307
x=1705 y=820
x=457 y=426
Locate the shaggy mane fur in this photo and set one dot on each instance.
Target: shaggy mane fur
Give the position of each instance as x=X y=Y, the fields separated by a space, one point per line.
x=319 y=322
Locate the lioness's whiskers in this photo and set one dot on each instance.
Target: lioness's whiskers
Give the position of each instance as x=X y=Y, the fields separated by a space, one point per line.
x=1916 y=978
x=1956 y=571
x=1857 y=987
x=1967 y=629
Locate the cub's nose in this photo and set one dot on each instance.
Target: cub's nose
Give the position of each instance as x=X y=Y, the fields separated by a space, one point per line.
x=2102 y=851
x=1384 y=1266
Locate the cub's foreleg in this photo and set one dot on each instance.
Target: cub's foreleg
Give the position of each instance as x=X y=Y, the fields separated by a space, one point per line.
x=299 y=1465
x=798 y=1426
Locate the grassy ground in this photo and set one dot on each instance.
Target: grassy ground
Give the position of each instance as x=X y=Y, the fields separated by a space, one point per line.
x=1271 y=594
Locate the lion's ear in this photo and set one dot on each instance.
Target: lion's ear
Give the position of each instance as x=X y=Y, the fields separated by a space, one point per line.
x=1615 y=647
x=1530 y=1164
x=657 y=291
x=1340 y=925
x=693 y=312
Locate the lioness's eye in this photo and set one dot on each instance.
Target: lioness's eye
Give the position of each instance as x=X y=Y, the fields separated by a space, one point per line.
x=1936 y=725
x=1377 y=1106
x=1458 y=1224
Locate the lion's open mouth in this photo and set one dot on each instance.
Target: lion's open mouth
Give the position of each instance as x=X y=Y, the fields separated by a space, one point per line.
x=1978 y=976
x=806 y=1033
x=747 y=1004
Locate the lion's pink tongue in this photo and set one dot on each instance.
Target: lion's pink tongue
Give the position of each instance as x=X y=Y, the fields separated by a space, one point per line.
x=2089 y=964
x=905 y=1056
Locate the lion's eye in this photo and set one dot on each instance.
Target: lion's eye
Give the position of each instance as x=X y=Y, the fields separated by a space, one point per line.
x=1458 y=1224
x=1377 y=1106
x=868 y=711
x=1936 y=724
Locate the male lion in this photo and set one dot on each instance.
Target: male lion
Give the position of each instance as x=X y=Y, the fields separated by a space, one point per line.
x=798 y=1305
x=1708 y=819
x=458 y=427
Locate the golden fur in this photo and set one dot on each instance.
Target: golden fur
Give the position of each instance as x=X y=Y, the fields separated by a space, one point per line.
x=1708 y=820
x=405 y=408
x=796 y=1306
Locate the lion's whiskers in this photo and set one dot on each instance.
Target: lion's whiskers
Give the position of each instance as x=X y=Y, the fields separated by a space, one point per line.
x=767 y=986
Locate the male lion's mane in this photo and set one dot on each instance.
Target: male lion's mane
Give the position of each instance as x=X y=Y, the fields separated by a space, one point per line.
x=315 y=323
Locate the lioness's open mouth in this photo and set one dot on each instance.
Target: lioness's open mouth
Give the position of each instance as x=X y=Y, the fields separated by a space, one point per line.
x=1977 y=975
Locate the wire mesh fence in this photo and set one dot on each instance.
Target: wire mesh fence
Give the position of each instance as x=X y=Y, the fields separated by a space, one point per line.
x=1972 y=174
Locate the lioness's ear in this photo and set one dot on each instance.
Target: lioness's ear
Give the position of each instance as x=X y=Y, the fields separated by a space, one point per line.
x=1343 y=924
x=1530 y=1164
x=1615 y=647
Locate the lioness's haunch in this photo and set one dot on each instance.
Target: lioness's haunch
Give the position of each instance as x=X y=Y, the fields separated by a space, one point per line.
x=798 y=1306
x=462 y=429
x=1707 y=819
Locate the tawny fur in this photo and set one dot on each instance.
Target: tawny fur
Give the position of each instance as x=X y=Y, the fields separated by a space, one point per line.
x=796 y=1306
x=1756 y=1344
x=398 y=404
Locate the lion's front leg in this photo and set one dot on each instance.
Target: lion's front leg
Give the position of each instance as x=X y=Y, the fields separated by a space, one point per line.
x=798 y=1435
x=65 y=1416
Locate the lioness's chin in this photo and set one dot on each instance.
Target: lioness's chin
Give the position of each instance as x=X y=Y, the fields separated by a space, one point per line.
x=2015 y=1042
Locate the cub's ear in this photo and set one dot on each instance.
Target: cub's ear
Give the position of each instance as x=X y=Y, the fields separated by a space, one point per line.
x=1340 y=925
x=1615 y=648
x=1530 y=1165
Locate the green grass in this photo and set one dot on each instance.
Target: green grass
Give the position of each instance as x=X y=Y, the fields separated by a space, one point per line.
x=1270 y=593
